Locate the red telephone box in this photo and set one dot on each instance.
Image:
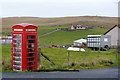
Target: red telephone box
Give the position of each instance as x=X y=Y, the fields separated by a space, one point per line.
x=24 y=47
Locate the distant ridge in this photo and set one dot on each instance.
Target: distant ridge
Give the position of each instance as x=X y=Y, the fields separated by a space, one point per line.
x=87 y=20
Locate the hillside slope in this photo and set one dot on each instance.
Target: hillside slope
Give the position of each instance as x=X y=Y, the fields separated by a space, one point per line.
x=87 y=20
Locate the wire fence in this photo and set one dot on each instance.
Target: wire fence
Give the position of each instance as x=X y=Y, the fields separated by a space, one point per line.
x=75 y=60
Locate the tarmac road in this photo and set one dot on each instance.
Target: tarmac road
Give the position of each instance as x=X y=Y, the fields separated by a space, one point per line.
x=86 y=73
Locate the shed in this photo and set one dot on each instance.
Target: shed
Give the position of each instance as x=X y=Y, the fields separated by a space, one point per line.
x=80 y=42
x=113 y=32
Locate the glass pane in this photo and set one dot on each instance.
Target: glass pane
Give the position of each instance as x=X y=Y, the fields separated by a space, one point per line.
x=17 y=45
x=30 y=68
x=17 y=41
x=31 y=50
x=31 y=37
x=17 y=68
x=31 y=41
x=17 y=55
x=30 y=63
x=17 y=36
x=30 y=59
x=31 y=46
x=17 y=59
x=31 y=55
x=17 y=63
x=17 y=50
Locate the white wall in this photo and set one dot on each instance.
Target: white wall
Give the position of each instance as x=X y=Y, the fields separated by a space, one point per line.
x=114 y=36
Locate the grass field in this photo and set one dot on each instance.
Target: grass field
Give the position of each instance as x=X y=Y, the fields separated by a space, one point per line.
x=78 y=60
x=67 y=37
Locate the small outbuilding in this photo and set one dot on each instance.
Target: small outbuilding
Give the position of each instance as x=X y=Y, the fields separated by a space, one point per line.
x=80 y=42
x=114 y=33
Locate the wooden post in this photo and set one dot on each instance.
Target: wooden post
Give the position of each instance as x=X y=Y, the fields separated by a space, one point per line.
x=99 y=46
x=68 y=57
x=117 y=52
x=40 y=58
x=85 y=55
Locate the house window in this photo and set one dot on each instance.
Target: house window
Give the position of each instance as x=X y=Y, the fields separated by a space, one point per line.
x=75 y=27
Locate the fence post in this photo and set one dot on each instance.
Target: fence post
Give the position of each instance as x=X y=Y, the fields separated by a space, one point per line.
x=118 y=51
x=68 y=53
x=40 y=58
x=99 y=51
x=85 y=55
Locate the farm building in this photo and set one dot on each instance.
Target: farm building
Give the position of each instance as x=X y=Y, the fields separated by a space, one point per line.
x=113 y=32
x=5 y=39
x=78 y=27
x=80 y=42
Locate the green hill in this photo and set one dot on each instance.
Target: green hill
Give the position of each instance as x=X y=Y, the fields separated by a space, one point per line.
x=67 y=37
x=97 y=21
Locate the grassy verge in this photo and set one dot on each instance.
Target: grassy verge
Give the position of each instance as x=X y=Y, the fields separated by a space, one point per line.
x=6 y=58
x=78 y=60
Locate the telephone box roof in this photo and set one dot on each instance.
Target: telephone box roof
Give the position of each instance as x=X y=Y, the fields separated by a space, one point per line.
x=24 y=24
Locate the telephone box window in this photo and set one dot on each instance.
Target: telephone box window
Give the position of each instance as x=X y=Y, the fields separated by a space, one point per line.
x=17 y=50
x=30 y=68
x=31 y=46
x=31 y=50
x=17 y=63
x=17 y=41
x=17 y=36
x=31 y=55
x=17 y=59
x=31 y=41
x=31 y=63
x=17 y=54
x=17 y=68
x=30 y=59
x=31 y=37
x=18 y=46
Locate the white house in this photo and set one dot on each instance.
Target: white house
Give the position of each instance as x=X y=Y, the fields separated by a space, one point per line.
x=113 y=32
x=78 y=27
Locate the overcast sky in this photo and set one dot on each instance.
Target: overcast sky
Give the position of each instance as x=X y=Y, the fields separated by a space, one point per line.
x=58 y=8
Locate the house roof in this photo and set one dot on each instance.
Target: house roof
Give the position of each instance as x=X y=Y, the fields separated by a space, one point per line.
x=78 y=25
x=81 y=41
x=111 y=29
